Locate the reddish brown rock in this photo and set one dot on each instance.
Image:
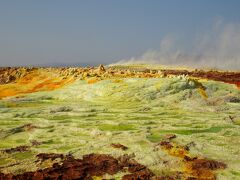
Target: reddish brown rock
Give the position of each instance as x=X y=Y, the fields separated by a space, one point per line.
x=207 y=164
x=119 y=146
x=17 y=149
x=87 y=167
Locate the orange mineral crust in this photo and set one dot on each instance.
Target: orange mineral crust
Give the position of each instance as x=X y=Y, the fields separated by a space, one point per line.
x=16 y=81
x=193 y=166
x=33 y=81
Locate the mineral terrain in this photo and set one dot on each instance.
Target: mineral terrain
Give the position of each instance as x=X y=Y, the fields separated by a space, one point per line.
x=119 y=122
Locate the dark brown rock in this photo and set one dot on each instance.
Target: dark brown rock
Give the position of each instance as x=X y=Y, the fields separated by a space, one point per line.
x=119 y=146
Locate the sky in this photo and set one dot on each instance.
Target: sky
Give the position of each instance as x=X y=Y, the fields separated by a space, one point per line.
x=107 y=31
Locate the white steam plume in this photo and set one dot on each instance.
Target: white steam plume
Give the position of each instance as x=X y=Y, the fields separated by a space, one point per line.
x=219 y=48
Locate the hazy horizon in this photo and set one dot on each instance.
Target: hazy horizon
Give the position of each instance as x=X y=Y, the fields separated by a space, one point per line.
x=191 y=33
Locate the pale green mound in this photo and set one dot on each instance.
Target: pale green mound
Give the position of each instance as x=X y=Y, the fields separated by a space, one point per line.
x=84 y=118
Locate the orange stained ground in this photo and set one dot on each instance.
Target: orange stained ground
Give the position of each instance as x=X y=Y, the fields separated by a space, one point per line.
x=237 y=84
x=44 y=80
x=38 y=80
x=189 y=166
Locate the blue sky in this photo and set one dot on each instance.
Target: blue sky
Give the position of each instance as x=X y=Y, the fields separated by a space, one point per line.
x=101 y=31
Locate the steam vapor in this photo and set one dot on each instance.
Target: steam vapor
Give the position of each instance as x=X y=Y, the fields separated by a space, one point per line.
x=219 y=48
